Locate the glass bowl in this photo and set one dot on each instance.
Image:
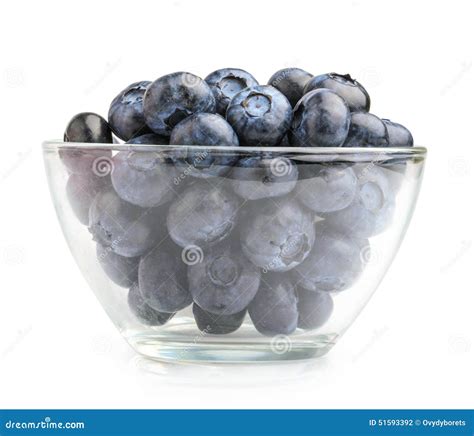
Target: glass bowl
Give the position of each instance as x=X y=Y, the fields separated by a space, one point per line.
x=234 y=254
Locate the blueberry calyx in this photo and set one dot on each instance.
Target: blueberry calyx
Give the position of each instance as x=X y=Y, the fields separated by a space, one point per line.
x=223 y=271
x=257 y=104
x=231 y=85
x=294 y=248
x=346 y=77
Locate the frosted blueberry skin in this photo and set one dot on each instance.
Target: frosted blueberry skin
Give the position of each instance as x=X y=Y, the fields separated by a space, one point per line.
x=274 y=310
x=277 y=234
x=127 y=229
x=174 y=97
x=257 y=177
x=326 y=188
x=126 y=112
x=366 y=130
x=320 y=119
x=81 y=191
x=149 y=139
x=373 y=207
x=202 y=215
x=314 y=308
x=227 y=82
x=260 y=115
x=224 y=282
x=162 y=279
x=291 y=83
x=143 y=178
x=398 y=135
x=334 y=264
x=123 y=271
x=144 y=313
x=213 y=324
x=353 y=93
x=90 y=128
x=204 y=130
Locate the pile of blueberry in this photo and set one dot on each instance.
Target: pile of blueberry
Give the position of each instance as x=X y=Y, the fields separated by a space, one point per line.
x=232 y=232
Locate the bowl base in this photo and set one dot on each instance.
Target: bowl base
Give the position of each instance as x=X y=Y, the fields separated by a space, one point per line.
x=179 y=342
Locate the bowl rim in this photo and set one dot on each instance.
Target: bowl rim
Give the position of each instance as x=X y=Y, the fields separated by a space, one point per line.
x=415 y=151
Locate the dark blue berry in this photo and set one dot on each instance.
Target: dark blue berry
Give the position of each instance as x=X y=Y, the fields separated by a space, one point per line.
x=366 y=130
x=143 y=312
x=210 y=323
x=291 y=83
x=314 y=308
x=123 y=271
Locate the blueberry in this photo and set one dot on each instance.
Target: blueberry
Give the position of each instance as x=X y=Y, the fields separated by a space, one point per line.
x=81 y=190
x=326 y=188
x=224 y=282
x=274 y=309
x=143 y=312
x=123 y=271
x=149 y=139
x=291 y=83
x=334 y=264
x=162 y=280
x=202 y=215
x=366 y=130
x=126 y=111
x=227 y=82
x=174 y=97
x=314 y=308
x=213 y=324
x=129 y=230
x=398 y=135
x=204 y=130
x=372 y=209
x=86 y=127
x=344 y=85
x=260 y=115
x=260 y=177
x=277 y=234
x=320 y=119
x=143 y=178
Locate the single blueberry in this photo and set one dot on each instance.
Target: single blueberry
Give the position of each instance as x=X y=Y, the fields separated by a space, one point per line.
x=202 y=215
x=143 y=178
x=353 y=93
x=213 y=324
x=274 y=309
x=204 y=130
x=326 y=188
x=127 y=229
x=143 y=312
x=227 y=82
x=149 y=139
x=277 y=234
x=257 y=177
x=126 y=111
x=314 y=308
x=366 y=130
x=373 y=207
x=224 y=282
x=334 y=264
x=90 y=128
x=123 y=271
x=398 y=135
x=162 y=279
x=81 y=190
x=320 y=119
x=291 y=83
x=174 y=97
x=260 y=115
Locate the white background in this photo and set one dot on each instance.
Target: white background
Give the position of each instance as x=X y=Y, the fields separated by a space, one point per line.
x=413 y=346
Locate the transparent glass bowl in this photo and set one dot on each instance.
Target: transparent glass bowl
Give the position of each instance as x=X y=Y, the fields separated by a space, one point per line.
x=301 y=237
